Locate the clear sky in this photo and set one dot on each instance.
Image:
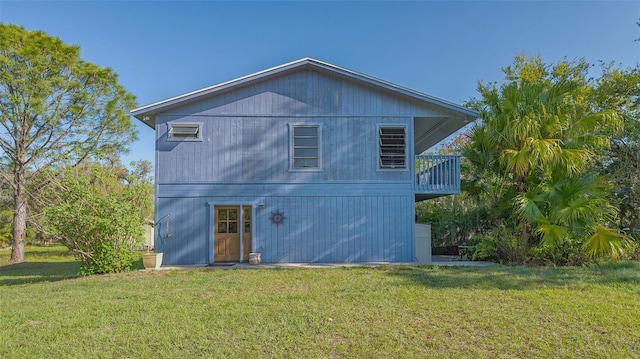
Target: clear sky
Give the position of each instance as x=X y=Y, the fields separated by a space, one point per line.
x=162 y=49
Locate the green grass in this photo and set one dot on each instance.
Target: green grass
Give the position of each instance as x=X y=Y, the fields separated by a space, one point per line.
x=43 y=264
x=385 y=312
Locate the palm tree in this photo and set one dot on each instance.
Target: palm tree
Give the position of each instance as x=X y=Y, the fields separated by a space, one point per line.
x=538 y=137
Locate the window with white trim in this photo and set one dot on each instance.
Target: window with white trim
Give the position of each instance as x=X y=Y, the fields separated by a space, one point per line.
x=185 y=131
x=393 y=147
x=305 y=151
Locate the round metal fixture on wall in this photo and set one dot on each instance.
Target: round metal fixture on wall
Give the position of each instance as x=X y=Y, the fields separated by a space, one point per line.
x=277 y=217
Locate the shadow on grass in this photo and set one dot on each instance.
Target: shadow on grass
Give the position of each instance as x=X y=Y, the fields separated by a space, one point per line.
x=520 y=278
x=44 y=264
x=36 y=272
x=47 y=253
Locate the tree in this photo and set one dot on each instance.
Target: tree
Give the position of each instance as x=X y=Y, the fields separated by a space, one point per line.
x=619 y=89
x=533 y=149
x=99 y=216
x=459 y=218
x=55 y=110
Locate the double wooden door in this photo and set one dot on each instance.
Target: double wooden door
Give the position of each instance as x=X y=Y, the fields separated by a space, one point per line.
x=232 y=224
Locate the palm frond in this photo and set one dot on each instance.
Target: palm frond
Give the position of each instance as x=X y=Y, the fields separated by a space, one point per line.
x=527 y=206
x=606 y=242
x=573 y=160
x=551 y=234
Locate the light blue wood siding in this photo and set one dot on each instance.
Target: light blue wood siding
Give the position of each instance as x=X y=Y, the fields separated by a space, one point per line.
x=349 y=211
x=307 y=92
x=321 y=228
x=240 y=149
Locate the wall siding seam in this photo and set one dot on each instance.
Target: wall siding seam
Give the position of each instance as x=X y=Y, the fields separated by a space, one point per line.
x=371 y=115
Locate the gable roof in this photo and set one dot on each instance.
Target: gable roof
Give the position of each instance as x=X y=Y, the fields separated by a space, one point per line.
x=147 y=113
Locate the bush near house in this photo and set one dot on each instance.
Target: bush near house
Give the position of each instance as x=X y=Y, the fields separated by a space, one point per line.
x=100 y=218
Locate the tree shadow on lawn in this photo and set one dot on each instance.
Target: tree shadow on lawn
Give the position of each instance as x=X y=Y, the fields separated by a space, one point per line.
x=47 y=253
x=521 y=278
x=36 y=272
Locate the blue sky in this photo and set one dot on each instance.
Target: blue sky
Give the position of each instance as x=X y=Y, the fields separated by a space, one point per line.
x=162 y=49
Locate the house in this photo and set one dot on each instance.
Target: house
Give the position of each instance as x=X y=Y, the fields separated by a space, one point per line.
x=303 y=162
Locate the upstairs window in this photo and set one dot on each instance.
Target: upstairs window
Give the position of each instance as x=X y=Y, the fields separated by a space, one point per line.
x=185 y=131
x=305 y=152
x=393 y=148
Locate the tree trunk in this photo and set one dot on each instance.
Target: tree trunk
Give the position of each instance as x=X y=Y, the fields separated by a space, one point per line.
x=19 y=218
x=521 y=187
x=525 y=234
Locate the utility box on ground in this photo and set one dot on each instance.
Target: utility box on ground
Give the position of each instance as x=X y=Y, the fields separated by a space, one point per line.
x=423 y=243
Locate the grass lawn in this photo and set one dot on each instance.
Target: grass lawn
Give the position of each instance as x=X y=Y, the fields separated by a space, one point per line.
x=384 y=312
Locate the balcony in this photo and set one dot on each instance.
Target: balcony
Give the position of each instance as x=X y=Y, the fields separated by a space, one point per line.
x=436 y=176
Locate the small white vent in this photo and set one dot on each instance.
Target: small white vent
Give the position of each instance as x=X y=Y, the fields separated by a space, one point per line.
x=184 y=131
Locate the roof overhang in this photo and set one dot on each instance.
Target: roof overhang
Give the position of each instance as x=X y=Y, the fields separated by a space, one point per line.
x=148 y=113
x=428 y=131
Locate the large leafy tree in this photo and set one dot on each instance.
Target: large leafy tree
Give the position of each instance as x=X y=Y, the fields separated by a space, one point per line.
x=533 y=150
x=619 y=89
x=55 y=110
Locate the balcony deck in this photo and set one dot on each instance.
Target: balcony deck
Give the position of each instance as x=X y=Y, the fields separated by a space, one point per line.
x=436 y=176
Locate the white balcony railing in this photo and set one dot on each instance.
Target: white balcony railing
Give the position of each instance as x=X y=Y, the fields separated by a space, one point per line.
x=437 y=174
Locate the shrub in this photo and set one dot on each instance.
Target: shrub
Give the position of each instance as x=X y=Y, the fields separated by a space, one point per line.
x=454 y=220
x=503 y=245
x=634 y=252
x=6 y=234
x=500 y=245
x=99 y=218
x=566 y=253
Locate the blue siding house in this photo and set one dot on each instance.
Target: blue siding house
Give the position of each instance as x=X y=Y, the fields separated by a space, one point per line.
x=303 y=162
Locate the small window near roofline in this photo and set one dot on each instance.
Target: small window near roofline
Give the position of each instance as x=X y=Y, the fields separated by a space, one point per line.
x=185 y=132
x=393 y=148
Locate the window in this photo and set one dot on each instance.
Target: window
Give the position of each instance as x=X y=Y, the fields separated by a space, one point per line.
x=393 y=148
x=306 y=147
x=227 y=220
x=185 y=131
